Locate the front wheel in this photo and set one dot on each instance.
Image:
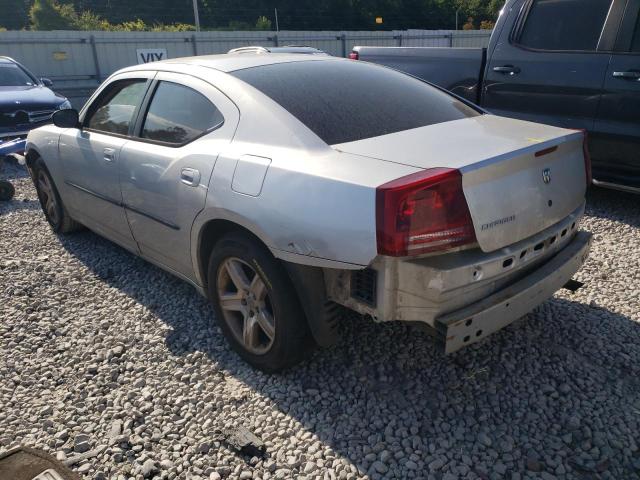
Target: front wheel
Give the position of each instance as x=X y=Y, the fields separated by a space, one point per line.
x=256 y=306
x=52 y=206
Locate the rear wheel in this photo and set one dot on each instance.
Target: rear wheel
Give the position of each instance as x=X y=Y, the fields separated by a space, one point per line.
x=256 y=306
x=50 y=201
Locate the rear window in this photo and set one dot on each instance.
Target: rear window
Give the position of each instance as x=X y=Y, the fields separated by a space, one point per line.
x=345 y=101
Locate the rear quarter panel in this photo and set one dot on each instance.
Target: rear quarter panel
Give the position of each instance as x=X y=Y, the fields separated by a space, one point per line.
x=315 y=208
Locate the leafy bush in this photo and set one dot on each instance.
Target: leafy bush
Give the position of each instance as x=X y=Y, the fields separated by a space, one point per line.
x=487 y=25
x=51 y=15
x=263 y=23
x=469 y=25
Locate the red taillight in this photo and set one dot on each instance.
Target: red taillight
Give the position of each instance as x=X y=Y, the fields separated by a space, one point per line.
x=354 y=56
x=587 y=157
x=423 y=212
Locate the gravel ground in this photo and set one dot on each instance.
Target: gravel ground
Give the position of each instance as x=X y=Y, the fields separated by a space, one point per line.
x=106 y=355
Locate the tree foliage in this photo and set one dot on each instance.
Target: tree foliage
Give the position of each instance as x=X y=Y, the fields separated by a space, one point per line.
x=50 y=15
x=253 y=14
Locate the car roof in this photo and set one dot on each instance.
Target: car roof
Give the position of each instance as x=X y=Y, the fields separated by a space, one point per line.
x=231 y=62
x=6 y=60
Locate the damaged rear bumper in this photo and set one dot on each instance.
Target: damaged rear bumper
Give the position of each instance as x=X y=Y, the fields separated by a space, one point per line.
x=462 y=297
x=474 y=322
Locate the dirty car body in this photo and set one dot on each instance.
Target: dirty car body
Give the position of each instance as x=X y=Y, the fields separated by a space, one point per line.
x=372 y=189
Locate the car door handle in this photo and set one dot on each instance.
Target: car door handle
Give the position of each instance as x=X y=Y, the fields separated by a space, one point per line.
x=190 y=176
x=628 y=75
x=510 y=69
x=109 y=154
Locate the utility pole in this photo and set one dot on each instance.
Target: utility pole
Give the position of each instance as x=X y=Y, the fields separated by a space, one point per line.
x=458 y=10
x=195 y=15
x=277 y=26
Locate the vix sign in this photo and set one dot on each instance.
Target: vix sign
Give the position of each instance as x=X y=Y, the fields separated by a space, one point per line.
x=146 y=55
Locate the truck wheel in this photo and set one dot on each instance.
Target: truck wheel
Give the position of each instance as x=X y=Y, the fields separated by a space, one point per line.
x=6 y=190
x=256 y=306
x=50 y=202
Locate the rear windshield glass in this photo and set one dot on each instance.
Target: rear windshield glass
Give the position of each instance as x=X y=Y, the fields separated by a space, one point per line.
x=344 y=101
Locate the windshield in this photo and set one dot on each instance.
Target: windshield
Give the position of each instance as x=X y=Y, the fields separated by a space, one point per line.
x=344 y=100
x=11 y=75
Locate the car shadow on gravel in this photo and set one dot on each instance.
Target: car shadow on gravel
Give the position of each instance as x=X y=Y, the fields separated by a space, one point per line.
x=614 y=205
x=15 y=205
x=557 y=391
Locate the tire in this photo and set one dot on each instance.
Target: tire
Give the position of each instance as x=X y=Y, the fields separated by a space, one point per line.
x=50 y=201
x=6 y=191
x=264 y=323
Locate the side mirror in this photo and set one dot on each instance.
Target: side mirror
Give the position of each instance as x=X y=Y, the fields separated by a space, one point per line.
x=67 y=118
x=46 y=82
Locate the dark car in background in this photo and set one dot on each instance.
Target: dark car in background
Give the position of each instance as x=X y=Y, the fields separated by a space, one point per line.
x=26 y=102
x=568 y=63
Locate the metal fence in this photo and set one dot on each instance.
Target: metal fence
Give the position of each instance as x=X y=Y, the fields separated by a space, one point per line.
x=78 y=61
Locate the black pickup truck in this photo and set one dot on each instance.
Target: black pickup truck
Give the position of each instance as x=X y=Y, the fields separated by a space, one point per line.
x=570 y=63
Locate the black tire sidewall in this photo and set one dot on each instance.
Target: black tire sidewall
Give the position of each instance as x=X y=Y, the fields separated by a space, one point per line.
x=291 y=341
x=40 y=167
x=7 y=191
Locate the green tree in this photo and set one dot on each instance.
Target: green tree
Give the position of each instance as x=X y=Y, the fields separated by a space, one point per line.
x=50 y=15
x=263 y=23
x=88 y=20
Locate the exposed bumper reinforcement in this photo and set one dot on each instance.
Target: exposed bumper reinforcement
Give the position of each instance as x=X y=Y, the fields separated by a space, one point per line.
x=472 y=323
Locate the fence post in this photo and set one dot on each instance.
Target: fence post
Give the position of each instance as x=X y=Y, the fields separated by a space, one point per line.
x=450 y=39
x=400 y=39
x=343 y=40
x=94 y=51
x=194 y=44
x=275 y=39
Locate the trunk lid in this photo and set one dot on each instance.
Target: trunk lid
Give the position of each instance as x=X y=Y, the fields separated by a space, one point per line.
x=518 y=177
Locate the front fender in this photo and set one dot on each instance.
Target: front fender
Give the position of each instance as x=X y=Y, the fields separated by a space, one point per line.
x=43 y=142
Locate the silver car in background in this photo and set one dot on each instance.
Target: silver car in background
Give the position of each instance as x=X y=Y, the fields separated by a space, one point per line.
x=287 y=187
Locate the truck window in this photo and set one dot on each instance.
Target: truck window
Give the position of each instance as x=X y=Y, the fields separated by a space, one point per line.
x=344 y=101
x=564 y=24
x=635 y=41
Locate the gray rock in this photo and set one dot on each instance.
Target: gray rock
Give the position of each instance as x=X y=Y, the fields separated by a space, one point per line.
x=484 y=439
x=81 y=447
x=148 y=468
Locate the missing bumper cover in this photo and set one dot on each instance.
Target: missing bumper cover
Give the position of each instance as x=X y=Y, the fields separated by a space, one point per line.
x=364 y=284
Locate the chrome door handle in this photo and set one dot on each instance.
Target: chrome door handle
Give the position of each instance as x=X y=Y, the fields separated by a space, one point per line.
x=510 y=69
x=109 y=154
x=190 y=176
x=628 y=75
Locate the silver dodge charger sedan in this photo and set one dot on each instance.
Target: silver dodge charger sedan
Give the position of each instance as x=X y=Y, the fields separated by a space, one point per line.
x=287 y=188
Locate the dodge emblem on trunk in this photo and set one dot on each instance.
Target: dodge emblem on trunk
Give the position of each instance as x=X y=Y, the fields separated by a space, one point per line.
x=546 y=175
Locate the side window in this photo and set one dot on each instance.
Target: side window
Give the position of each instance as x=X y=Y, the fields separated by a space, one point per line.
x=178 y=114
x=113 y=111
x=635 y=40
x=564 y=24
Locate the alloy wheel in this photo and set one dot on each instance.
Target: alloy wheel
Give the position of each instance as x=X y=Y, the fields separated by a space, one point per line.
x=246 y=305
x=47 y=196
